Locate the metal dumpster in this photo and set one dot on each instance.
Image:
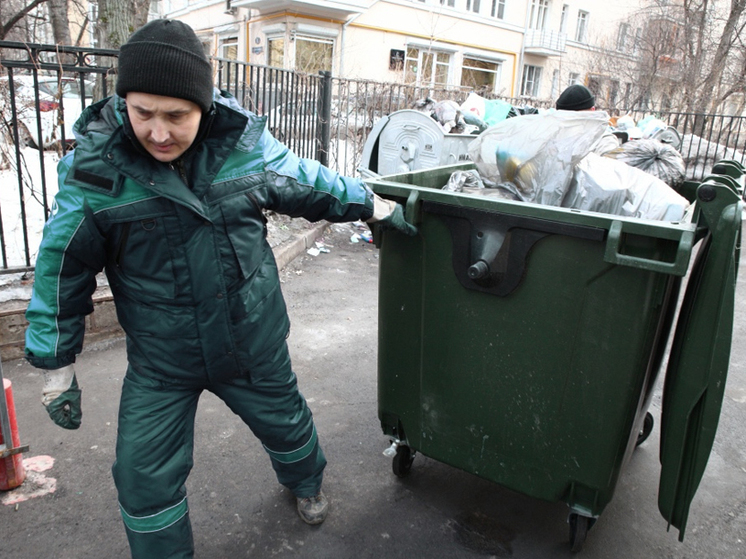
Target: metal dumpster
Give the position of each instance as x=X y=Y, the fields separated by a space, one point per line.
x=522 y=343
x=409 y=140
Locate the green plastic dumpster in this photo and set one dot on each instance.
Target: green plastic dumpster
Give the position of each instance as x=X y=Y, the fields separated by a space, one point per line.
x=522 y=342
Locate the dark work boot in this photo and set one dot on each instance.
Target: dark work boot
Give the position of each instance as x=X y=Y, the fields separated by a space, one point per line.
x=313 y=510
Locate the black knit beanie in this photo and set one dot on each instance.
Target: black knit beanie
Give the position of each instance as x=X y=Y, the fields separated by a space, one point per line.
x=165 y=57
x=576 y=98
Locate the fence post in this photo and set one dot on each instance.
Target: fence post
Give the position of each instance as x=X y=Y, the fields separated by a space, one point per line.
x=323 y=130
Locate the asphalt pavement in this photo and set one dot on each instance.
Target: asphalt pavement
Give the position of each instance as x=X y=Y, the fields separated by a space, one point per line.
x=67 y=508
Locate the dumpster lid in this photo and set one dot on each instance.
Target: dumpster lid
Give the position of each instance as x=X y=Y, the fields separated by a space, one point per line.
x=698 y=363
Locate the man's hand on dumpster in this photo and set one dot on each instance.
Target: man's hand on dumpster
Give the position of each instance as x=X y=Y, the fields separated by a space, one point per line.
x=390 y=214
x=61 y=397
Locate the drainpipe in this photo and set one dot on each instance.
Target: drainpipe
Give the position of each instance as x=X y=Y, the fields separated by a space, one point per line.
x=342 y=41
x=519 y=70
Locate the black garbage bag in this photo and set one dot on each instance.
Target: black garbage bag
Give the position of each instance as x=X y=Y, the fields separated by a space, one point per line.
x=654 y=157
x=524 y=110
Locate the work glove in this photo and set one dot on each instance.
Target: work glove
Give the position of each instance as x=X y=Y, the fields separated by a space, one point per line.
x=61 y=397
x=390 y=215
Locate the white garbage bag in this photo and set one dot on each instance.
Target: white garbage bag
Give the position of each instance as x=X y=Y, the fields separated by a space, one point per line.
x=537 y=152
x=601 y=184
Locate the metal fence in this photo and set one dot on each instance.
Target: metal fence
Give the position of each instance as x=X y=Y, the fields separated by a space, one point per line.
x=43 y=89
x=705 y=139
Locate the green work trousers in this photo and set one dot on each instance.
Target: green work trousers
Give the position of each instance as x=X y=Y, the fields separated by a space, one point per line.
x=155 y=441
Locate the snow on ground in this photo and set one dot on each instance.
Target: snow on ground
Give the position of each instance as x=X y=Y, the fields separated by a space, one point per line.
x=30 y=197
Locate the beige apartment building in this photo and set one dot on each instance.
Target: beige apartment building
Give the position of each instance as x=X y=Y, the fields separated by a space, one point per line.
x=515 y=48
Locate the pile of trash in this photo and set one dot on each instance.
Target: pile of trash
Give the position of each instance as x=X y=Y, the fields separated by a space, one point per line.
x=473 y=116
x=573 y=159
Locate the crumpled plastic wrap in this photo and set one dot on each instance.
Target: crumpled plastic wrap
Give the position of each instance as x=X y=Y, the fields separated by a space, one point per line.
x=487 y=111
x=448 y=115
x=537 y=153
x=469 y=182
x=602 y=184
x=654 y=157
x=606 y=143
x=463 y=179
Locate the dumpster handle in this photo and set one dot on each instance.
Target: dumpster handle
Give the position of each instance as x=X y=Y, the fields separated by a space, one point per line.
x=413 y=209
x=677 y=267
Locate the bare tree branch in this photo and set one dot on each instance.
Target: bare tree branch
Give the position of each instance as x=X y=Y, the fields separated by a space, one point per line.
x=6 y=27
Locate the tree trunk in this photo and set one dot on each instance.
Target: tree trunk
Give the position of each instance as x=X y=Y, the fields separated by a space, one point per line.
x=117 y=20
x=60 y=22
x=713 y=77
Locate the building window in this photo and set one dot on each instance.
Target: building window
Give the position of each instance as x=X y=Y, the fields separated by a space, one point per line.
x=313 y=54
x=531 y=80
x=555 y=84
x=229 y=48
x=563 y=18
x=627 y=101
x=574 y=78
x=621 y=40
x=498 y=9
x=582 y=29
x=613 y=93
x=480 y=74
x=472 y=6
x=426 y=67
x=638 y=40
x=276 y=52
x=594 y=85
x=449 y=3
x=539 y=11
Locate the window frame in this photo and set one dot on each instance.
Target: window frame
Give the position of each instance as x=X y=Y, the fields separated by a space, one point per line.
x=280 y=37
x=228 y=42
x=473 y=6
x=623 y=37
x=555 y=88
x=534 y=80
x=496 y=73
x=435 y=64
x=564 y=16
x=581 y=30
x=310 y=38
x=539 y=14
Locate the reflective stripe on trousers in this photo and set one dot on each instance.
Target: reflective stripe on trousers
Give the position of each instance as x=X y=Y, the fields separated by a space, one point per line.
x=155 y=442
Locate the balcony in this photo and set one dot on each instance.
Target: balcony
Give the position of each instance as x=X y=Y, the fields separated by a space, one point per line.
x=541 y=42
x=319 y=8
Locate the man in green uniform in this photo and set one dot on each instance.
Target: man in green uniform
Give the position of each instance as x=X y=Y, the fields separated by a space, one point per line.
x=165 y=191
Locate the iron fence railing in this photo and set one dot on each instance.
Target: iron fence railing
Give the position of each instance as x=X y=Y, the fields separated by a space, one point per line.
x=43 y=88
x=42 y=92
x=291 y=101
x=705 y=138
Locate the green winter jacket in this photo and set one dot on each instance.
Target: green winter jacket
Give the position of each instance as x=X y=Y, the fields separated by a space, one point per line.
x=184 y=245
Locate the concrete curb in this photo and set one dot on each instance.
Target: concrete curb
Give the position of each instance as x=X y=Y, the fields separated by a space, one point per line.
x=102 y=324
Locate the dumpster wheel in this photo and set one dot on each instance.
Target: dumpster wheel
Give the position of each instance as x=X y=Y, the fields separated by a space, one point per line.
x=579 y=526
x=402 y=460
x=647 y=428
